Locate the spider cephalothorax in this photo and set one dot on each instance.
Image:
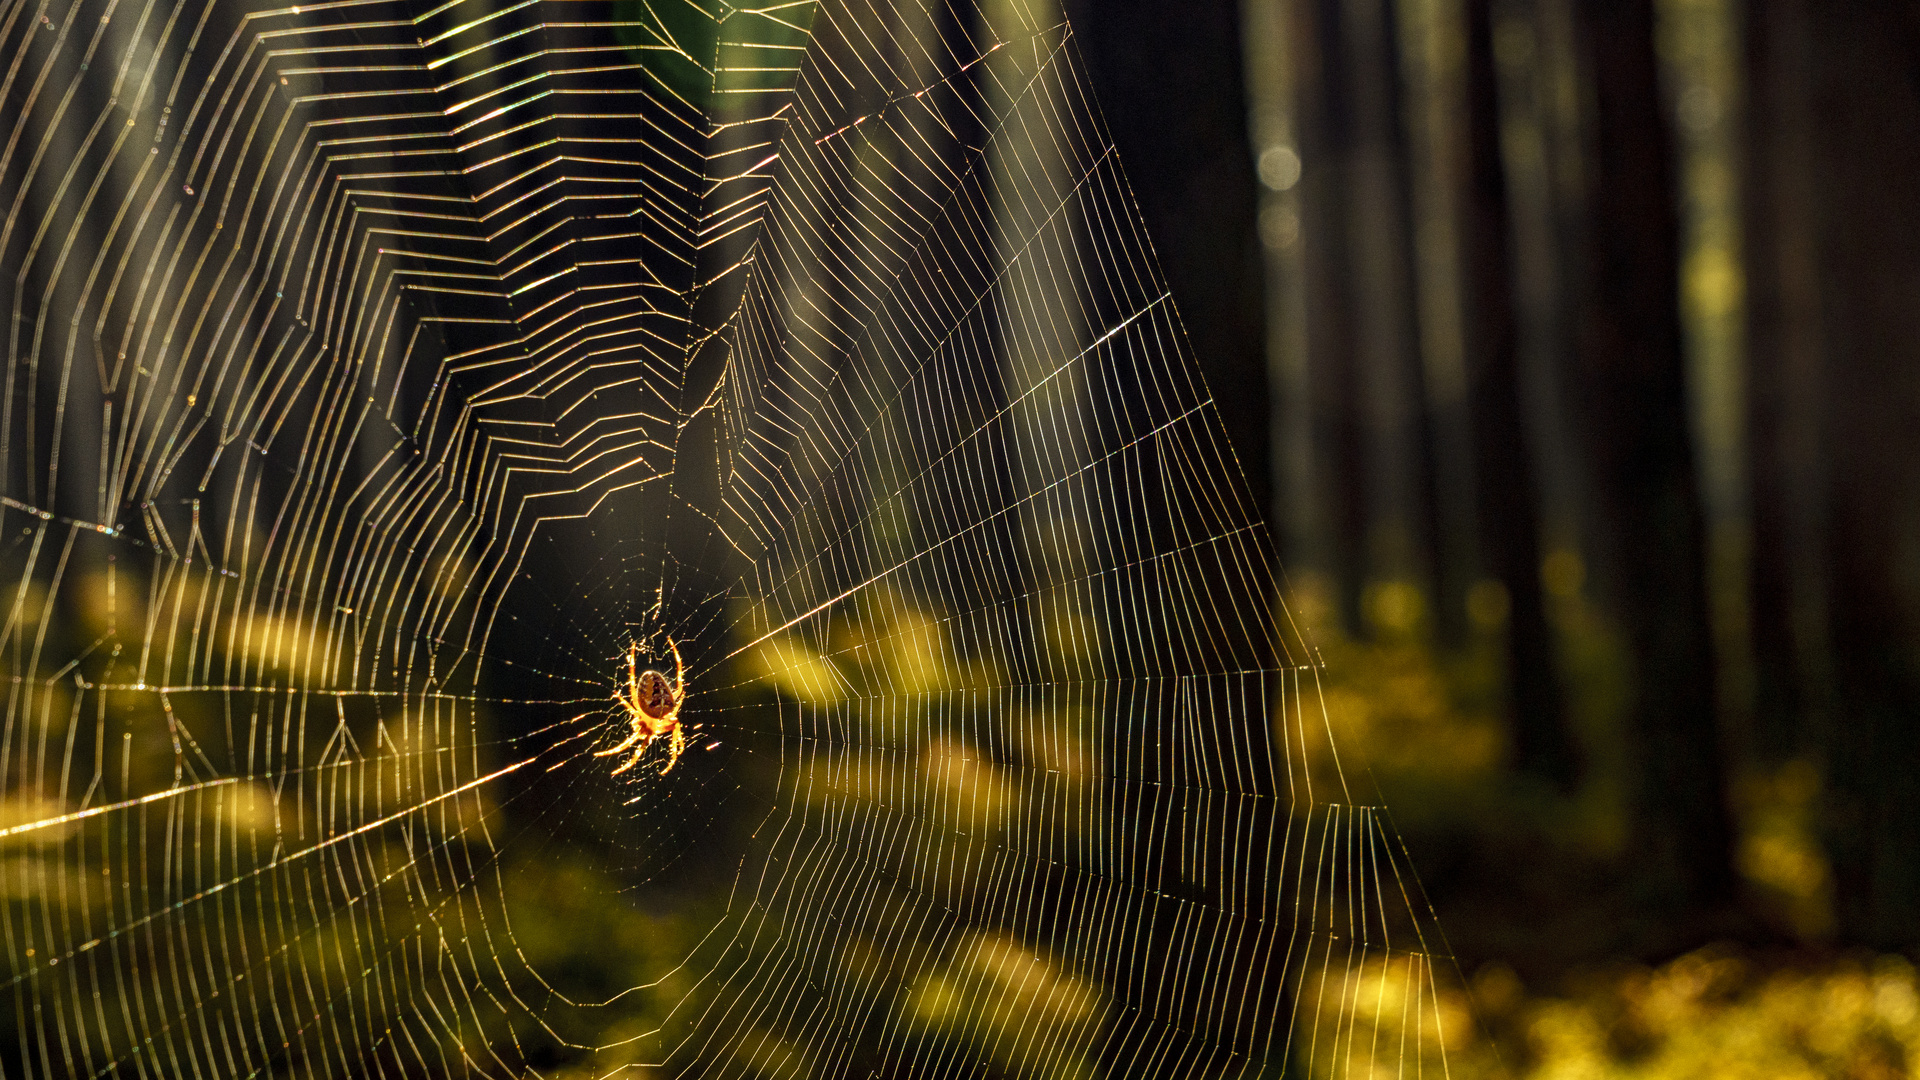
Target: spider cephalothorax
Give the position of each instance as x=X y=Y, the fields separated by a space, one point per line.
x=652 y=705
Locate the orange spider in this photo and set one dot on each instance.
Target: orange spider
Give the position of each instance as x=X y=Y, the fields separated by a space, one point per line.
x=652 y=706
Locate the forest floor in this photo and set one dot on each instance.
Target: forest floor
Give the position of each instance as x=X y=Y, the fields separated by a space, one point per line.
x=1559 y=972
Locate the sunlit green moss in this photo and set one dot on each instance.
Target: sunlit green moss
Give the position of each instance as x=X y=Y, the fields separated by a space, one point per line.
x=1780 y=852
x=1711 y=1013
x=797 y=671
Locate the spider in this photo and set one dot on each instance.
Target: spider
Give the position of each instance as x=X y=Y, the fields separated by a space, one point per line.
x=652 y=706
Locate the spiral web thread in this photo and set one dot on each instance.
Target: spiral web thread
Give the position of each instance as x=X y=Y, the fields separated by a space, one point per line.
x=378 y=375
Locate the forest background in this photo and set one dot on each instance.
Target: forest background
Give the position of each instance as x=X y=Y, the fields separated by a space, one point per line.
x=1572 y=344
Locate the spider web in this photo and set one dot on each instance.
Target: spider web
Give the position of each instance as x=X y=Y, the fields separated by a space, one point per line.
x=378 y=375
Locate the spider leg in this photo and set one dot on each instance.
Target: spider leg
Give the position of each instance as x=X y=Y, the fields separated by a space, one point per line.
x=675 y=745
x=634 y=760
x=679 y=674
x=630 y=701
x=631 y=739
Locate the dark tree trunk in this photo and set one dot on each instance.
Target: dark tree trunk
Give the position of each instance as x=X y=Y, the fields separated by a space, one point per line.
x=1325 y=116
x=1866 y=110
x=1780 y=203
x=1393 y=422
x=1632 y=398
x=1170 y=86
x=1506 y=501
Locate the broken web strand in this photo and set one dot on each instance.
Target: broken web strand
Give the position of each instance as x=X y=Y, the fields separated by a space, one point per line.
x=491 y=316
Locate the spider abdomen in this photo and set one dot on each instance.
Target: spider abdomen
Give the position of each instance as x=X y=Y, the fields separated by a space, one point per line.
x=654 y=695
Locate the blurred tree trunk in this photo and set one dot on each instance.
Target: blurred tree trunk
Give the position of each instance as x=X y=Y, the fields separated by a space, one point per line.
x=1432 y=102
x=1325 y=117
x=1506 y=501
x=1632 y=396
x=1397 y=440
x=1169 y=82
x=1866 y=104
x=1783 y=387
x=1372 y=441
